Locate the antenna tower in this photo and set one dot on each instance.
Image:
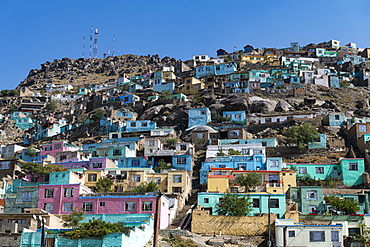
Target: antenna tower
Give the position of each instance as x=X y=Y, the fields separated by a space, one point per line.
x=83 y=47
x=114 y=43
x=95 y=51
x=91 y=31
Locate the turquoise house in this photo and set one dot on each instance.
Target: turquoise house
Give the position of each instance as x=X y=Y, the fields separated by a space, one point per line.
x=143 y=226
x=235 y=116
x=310 y=199
x=212 y=70
x=208 y=201
x=349 y=170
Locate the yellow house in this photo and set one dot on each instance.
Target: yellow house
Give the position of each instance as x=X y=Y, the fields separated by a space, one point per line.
x=252 y=59
x=91 y=176
x=275 y=182
x=191 y=85
x=168 y=75
x=272 y=60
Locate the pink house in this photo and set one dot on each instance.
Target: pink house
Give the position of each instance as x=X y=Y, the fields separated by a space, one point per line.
x=93 y=164
x=63 y=198
x=59 y=146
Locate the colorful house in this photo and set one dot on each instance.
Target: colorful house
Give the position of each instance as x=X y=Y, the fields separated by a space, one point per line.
x=208 y=201
x=212 y=70
x=140 y=126
x=59 y=146
x=199 y=116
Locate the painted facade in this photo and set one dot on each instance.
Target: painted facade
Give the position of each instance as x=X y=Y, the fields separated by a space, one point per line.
x=199 y=116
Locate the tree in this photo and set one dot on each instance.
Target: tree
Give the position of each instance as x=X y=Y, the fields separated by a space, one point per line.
x=97 y=114
x=32 y=152
x=234 y=152
x=51 y=106
x=40 y=170
x=103 y=185
x=248 y=180
x=234 y=205
x=73 y=219
x=146 y=187
x=97 y=228
x=302 y=135
x=345 y=205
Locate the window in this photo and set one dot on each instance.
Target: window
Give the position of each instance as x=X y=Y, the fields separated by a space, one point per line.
x=63 y=156
x=183 y=147
x=177 y=178
x=57 y=146
x=176 y=189
x=264 y=143
x=49 y=193
x=151 y=143
x=17 y=221
x=312 y=195
x=147 y=206
x=117 y=152
x=137 y=178
x=48 y=148
x=291 y=234
x=296 y=195
x=158 y=180
x=317 y=236
x=336 y=117
x=87 y=206
x=319 y=170
x=362 y=128
x=274 y=163
x=135 y=163
x=334 y=236
x=302 y=170
x=97 y=164
x=199 y=135
x=114 y=136
x=68 y=207
x=353 y=166
x=256 y=203
x=27 y=197
x=92 y=177
x=133 y=124
x=144 y=124
x=181 y=160
x=49 y=207
x=102 y=204
x=206 y=200
x=202 y=112
x=274 y=203
x=312 y=209
x=130 y=206
x=68 y=192
x=235 y=132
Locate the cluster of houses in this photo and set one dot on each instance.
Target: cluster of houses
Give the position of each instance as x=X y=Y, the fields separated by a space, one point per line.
x=132 y=151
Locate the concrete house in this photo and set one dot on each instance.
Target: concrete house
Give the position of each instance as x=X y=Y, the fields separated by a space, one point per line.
x=288 y=233
x=211 y=70
x=140 y=126
x=199 y=116
x=208 y=201
x=59 y=146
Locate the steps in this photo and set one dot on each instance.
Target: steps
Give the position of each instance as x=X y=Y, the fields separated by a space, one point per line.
x=182 y=215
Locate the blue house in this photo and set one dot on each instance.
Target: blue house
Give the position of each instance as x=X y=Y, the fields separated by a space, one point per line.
x=133 y=87
x=235 y=116
x=182 y=162
x=140 y=126
x=160 y=85
x=133 y=162
x=236 y=162
x=265 y=142
x=111 y=126
x=238 y=87
x=199 y=116
x=129 y=98
x=221 y=52
x=212 y=70
x=334 y=119
x=320 y=143
x=334 y=81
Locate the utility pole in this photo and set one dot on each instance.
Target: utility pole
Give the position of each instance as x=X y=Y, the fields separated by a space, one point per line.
x=269 y=223
x=156 y=219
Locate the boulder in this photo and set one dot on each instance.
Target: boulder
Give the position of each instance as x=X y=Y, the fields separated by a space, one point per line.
x=283 y=106
x=362 y=104
x=261 y=105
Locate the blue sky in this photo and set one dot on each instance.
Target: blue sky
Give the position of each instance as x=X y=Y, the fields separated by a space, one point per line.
x=33 y=32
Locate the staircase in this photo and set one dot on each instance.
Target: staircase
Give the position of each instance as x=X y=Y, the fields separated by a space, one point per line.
x=183 y=217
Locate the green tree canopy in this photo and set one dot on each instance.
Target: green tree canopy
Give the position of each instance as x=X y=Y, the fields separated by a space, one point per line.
x=248 y=180
x=234 y=205
x=51 y=106
x=146 y=187
x=43 y=170
x=103 y=185
x=345 y=205
x=97 y=228
x=302 y=134
x=73 y=219
x=97 y=114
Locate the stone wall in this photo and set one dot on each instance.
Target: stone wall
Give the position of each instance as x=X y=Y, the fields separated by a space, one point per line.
x=204 y=223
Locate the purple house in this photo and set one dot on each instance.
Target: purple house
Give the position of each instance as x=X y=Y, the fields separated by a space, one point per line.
x=60 y=146
x=64 y=198
x=99 y=163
